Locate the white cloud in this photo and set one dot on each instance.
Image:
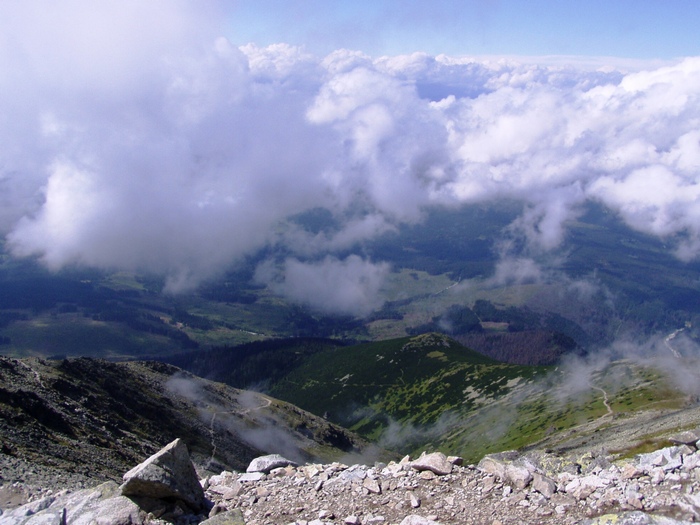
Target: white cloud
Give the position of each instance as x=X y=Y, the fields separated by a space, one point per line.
x=349 y=287
x=137 y=137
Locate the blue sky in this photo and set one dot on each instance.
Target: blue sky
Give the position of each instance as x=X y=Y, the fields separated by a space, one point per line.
x=624 y=28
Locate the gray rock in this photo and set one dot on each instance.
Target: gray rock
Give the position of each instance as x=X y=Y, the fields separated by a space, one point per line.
x=102 y=505
x=544 y=485
x=252 y=476
x=689 y=437
x=518 y=474
x=418 y=520
x=633 y=518
x=496 y=463
x=267 y=463
x=352 y=475
x=436 y=462
x=415 y=501
x=167 y=474
x=230 y=517
x=492 y=465
x=668 y=458
x=372 y=486
x=39 y=505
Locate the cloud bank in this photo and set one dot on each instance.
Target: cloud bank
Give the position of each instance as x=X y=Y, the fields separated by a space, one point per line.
x=141 y=139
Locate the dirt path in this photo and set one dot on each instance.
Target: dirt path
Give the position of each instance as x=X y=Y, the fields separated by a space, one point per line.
x=605 y=400
x=670 y=338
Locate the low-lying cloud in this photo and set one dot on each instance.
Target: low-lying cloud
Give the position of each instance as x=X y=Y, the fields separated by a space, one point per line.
x=141 y=139
x=347 y=287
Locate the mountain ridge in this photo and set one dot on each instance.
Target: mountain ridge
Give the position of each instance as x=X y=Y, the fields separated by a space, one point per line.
x=87 y=419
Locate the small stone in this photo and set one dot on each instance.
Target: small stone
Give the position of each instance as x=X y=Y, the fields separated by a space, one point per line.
x=417 y=520
x=544 y=485
x=267 y=463
x=436 y=462
x=252 y=477
x=691 y=461
x=657 y=475
x=372 y=486
x=519 y=476
x=352 y=520
x=415 y=501
x=233 y=491
x=630 y=471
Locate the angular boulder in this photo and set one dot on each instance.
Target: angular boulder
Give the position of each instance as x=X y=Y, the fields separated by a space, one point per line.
x=168 y=474
x=267 y=463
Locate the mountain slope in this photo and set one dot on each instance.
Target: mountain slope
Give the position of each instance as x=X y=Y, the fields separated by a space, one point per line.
x=418 y=386
x=89 y=418
x=430 y=392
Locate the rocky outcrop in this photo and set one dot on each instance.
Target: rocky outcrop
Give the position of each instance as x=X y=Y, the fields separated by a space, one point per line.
x=661 y=487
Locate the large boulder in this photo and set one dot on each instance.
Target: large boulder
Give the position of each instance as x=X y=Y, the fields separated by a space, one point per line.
x=167 y=475
x=267 y=463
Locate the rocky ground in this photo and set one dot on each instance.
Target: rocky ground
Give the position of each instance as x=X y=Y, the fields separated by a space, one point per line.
x=66 y=439
x=504 y=488
x=658 y=487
